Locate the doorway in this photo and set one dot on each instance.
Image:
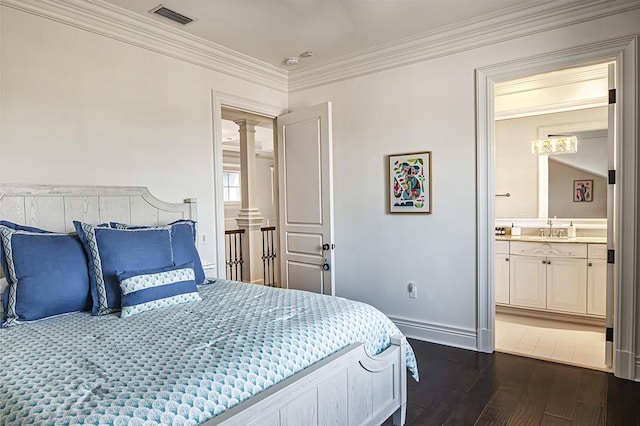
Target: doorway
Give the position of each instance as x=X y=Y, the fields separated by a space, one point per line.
x=551 y=276
x=303 y=194
x=249 y=188
x=225 y=109
x=622 y=251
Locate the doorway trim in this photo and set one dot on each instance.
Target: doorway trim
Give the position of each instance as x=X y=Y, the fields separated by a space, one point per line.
x=220 y=100
x=624 y=52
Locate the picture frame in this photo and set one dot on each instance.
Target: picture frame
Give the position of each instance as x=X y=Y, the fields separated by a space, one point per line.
x=410 y=185
x=582 y=191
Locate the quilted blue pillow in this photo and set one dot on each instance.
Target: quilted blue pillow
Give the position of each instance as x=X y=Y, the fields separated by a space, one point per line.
x=157 y=288
x=46 y=273
x=110 y=250
x=183 y=244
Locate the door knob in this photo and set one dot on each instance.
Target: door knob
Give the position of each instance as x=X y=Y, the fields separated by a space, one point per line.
x=326 y=246
x=326 y=267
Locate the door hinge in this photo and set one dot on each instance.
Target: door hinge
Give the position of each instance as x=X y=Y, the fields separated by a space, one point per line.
x=612 y=96
x=611 y=256
x=609 y=334
x=612 y=177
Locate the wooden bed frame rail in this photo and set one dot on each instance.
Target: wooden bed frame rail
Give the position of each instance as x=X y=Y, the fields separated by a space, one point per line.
x=348 y=388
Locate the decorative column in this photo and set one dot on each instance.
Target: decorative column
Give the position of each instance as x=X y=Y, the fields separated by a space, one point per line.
x=249 y=217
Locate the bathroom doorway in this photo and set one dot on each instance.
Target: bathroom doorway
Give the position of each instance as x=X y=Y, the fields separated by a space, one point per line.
x=622 y=223
x=551 y=280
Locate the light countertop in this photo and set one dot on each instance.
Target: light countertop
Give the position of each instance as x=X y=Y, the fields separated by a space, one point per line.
x=538 y=239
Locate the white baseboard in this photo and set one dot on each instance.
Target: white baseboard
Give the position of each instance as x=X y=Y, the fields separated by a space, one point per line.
x=637 y=370
x=485 y=341
x=437 y=333
x=626 y=365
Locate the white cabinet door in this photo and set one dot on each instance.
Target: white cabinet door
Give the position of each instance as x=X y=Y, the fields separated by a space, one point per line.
x=528 y=286
x=566 y=285
x=502 y=278
x=596 y=287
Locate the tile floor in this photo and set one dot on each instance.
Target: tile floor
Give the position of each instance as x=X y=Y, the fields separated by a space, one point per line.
x=567 y=343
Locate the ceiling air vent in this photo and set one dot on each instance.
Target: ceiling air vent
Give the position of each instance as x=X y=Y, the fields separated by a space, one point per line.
x=171 y=14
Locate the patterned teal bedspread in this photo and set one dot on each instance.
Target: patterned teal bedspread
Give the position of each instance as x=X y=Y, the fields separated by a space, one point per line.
x=179 y=365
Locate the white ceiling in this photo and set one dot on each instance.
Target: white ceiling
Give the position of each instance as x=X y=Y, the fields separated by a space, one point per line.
x=271 y=30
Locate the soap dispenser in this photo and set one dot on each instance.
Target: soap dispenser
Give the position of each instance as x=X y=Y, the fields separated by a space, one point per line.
x=571 y=231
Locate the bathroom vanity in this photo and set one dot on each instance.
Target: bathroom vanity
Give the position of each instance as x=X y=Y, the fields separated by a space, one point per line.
x=545 y=276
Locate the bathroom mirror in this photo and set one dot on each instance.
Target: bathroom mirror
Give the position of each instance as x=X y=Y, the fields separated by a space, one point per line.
x=542 y=186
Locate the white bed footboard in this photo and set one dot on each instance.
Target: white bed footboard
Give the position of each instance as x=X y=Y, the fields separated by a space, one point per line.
x=348 y=388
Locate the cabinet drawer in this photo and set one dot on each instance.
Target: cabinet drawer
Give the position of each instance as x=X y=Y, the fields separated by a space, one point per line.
x=597 y=251
x=548 y=249
x=502 y=247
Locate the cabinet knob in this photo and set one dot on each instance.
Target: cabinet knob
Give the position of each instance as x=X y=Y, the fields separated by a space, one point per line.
x=548 y=262
x=590 y=264
x=544 y=262
x=506 y=259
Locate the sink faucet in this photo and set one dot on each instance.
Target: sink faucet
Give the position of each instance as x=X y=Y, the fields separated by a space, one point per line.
x=550 y=223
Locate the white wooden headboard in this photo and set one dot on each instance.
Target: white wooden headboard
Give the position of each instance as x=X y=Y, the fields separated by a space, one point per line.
x=54 y=208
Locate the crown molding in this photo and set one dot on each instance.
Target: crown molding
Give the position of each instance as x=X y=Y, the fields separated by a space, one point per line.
x=114 y=22
x=482 y=31
x=551 y=108
x=549 y=80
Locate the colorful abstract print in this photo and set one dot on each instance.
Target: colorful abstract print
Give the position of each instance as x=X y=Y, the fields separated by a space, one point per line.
x=408 y=183
x=180 y=365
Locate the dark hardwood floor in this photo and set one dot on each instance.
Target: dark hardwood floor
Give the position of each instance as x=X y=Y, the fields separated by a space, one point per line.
x=461 y=387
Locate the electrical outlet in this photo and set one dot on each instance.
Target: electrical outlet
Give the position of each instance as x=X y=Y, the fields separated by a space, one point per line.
x=413 y=289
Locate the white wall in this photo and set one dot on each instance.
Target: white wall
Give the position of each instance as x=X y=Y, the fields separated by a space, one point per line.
x=561 y=202
x=425 y=106
x=79 y=108
x=516 y=170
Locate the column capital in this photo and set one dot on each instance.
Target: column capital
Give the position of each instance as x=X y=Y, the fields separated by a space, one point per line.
x=249 y=218
x=248 y=125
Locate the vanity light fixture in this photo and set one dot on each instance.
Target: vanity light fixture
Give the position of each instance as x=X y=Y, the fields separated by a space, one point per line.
x=555 y=145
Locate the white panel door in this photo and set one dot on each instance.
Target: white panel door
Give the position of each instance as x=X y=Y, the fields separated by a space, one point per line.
x=306 y=199
x=611 y=219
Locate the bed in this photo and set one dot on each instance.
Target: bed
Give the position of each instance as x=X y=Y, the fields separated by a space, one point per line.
x=230 y=353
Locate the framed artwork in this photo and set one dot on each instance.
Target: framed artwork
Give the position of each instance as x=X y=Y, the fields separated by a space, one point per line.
x=582 y=190
x=410 y=183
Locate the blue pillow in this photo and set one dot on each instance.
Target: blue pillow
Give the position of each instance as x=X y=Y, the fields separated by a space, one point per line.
x=17 y=227
x=157 y=288
x=46 y=272
x=183 y=244
x=110 y=250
